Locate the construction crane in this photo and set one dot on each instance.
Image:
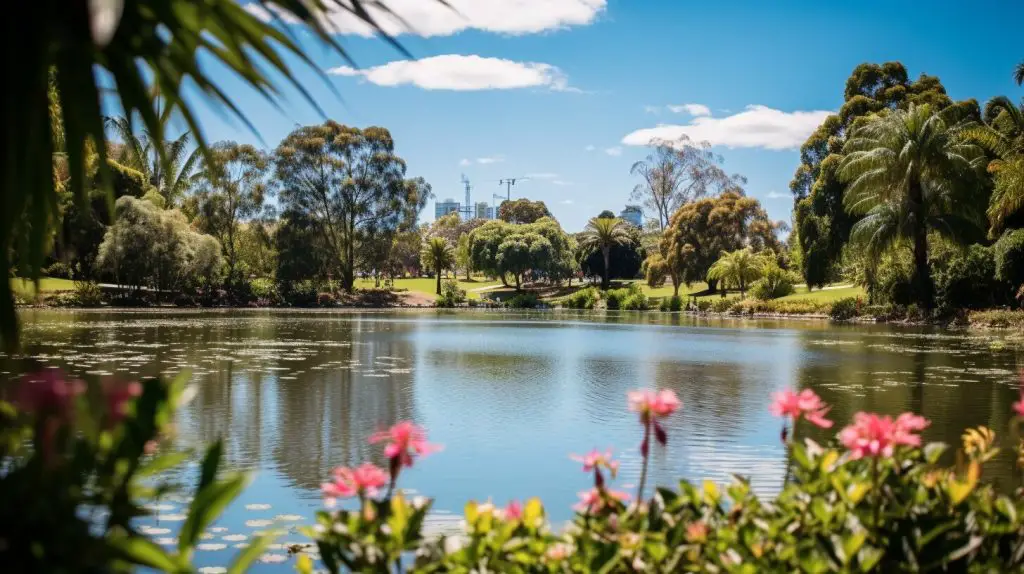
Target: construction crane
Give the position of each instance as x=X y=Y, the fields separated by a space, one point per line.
x=508 y=183
x=467 y=208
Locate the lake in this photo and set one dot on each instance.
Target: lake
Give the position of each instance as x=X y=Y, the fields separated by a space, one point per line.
x=511 y=395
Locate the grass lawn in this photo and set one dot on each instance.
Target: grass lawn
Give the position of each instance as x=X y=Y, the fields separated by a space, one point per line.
x=27 y=288
x=428 y=285
x=824 y=295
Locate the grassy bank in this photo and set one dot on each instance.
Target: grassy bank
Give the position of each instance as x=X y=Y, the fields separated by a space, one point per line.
x=428 y=286
x=26 y=288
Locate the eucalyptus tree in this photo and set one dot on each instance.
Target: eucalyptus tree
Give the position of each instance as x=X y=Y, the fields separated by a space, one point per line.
x=908 y=173
x=233 y=192
x=678 y=172
x=350 y=184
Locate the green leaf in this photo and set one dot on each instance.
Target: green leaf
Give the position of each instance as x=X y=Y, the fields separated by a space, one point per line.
x=868 y=557
x=162 y=463
x=211 y=462
x=852 y=543
x=933 y=451
x=207 y=506
x=246 y=557
x=144 y=552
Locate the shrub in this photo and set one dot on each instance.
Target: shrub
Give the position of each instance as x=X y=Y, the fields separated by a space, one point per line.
x=326 y=299
x=845 y=309
x=997 y=318
x=451 y=295
x=914 y=313
x=636 y=302
x=300 y=293
x=523 y=301
x=704 y=305
x=613 y=298
x=776 y=307
x=59 y=269
x=723 y=304
x=265 y=292
x=774 y=283
x=88 y=294
x=582 y=299
x=966 y=280
x=673 y=303
x=1009 y=258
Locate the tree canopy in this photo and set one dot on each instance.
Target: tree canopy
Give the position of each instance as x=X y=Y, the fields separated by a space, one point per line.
x=522 y=211
x=502 y=249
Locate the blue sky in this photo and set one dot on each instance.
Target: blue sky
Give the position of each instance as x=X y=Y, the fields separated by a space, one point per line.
x=558 y=89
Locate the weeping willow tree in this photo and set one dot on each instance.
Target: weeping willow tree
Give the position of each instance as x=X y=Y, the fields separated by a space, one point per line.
x=115 y=53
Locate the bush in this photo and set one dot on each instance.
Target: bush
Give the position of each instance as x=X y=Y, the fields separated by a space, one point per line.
x=582 y=299
x=300 y=293
x=1009 y=258
x=451 y=295
x=723 y=304
x=845 y=309
x=326 y=299
x=704 y=305
x=776 y=282
x=997 y=318
x=673 y=303
x=636 y=302
x=265 y=292
x=59 y=269
x=523 y=301
x=967 y=280
x=613 y=298
x=776 y=307
x=88 y=294
x=914 y=313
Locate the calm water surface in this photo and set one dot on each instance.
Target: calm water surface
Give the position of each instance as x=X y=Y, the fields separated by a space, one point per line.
x=509 y=395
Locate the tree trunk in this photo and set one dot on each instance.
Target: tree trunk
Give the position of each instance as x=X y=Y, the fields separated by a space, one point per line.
x=712 y=285
x=504 y=280
x=518 y=282
x=439 y=281
x=675 y=287
x=922 y=274
x=605 y=275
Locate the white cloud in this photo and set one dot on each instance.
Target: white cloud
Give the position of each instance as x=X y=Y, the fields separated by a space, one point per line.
x=652 y=110
x=459 y=72
x=613 y=151
x=490 y=160
x=464 y=162
x=561 y=182
x=692 y=109
x=756 y=126
x=590 y=147
x=433 y=18
x=566 y=202
x=778 y=195
x=542 y=175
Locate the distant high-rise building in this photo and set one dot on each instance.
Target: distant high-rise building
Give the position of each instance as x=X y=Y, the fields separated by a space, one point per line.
x=484 y=211
x=443 y=208
x=633 y=214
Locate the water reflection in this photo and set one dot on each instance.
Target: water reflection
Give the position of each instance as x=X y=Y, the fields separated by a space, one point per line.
x=510 y=395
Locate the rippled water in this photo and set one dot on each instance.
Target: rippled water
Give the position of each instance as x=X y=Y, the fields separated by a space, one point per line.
x=510 y=395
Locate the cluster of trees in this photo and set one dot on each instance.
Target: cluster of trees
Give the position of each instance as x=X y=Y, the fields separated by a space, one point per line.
x=906 y=191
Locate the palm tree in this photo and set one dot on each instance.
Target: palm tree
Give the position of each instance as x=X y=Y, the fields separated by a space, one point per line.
x=737 y=268
x=604 y=233
x=172 y=179
x=910 y=172
x=1018 y=74
x=1002 y=135
x=437 y=254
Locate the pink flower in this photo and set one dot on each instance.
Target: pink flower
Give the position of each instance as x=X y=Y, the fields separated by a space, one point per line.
x=1018 y=406
x=595 y=460
x=875 y=435
x=118 y=395
x=596 y=498
x=660 y=404
x=514 y=510
x=406 y=440
x=48 y=393
x=805 y=403
x=364 y=480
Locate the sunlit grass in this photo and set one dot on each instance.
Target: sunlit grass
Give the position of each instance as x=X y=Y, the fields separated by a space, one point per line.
x=826 y=295
x=428 y=285
x=27 y=288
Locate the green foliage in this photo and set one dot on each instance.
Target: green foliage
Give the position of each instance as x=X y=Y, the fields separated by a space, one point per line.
x=1002 y=136
x=542 y=248
x=88 y=294
x=94 y=452
x=300 y=293
x=437 y=256
x=636 y=302
x=673 y=304
x=59 y=269
x=451 y=295
x=845 y=309
x=737 y=269
x=997 y=318
x=583 y=299
x=524 y=300
x=615 y=299
x=150 y=247
x=704 y=305
x=904 y=196
x=1009 y=258
x=723 y=304
x=326 y=299
x=965 y=279
x=820 y=218
x=775 y=282
x=600 y=236
x=522 y=211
